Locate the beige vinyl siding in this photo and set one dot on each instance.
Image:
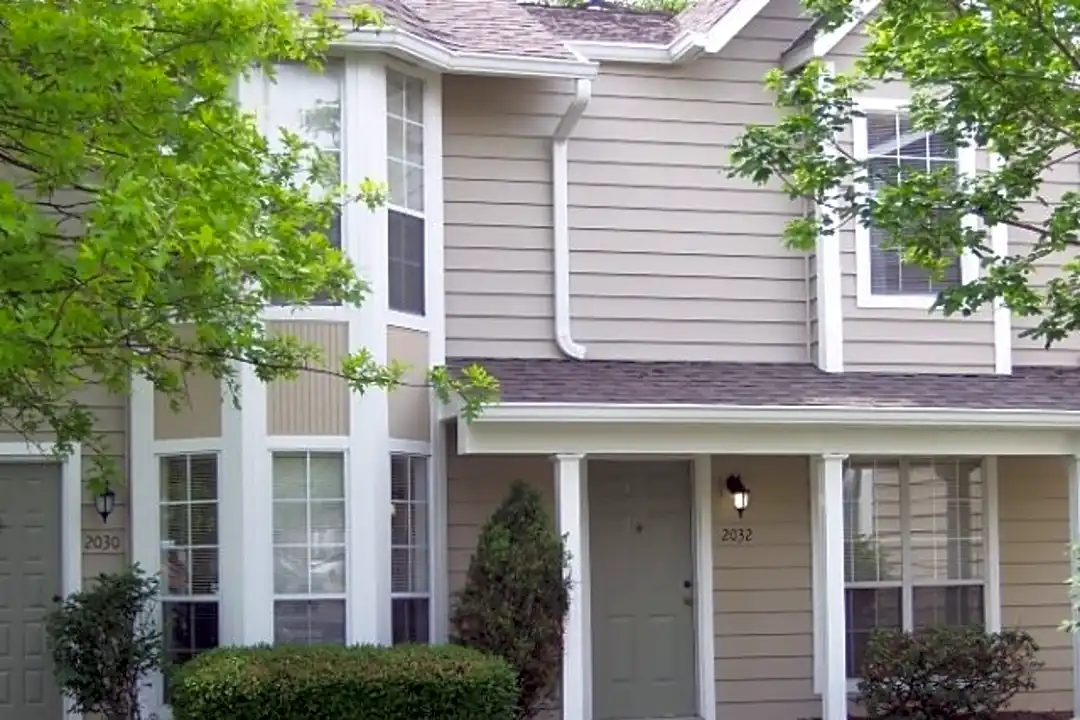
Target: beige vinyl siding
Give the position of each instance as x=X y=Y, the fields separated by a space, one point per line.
x=670 y=258
x=1061 y=178
x=314 y=403
x=1034 y=527
x=903 y=340
x=410 y=404
x=763 y=607
x=199 y=412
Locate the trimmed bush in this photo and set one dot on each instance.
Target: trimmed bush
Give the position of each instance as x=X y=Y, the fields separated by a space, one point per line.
x=946 y=672
x=407 y=682
x=516 y=596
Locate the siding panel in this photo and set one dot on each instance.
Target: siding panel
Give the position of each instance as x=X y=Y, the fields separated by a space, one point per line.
x=313 y=403
x=667 y=252
x=409 y=405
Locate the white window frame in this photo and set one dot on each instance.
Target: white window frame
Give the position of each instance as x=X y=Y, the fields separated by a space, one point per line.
x=277 y=445
x=969 y=264
x=991 y=581
x=420 y=448
x=433 y=203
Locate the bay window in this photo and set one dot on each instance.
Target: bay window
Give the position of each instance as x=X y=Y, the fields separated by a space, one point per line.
x=915 y=547
x=309 y=547
x=188 y=503
x=405 y=208
x=410 y=549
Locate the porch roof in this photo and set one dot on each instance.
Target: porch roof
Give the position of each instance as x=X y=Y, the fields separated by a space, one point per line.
x=1032 y=388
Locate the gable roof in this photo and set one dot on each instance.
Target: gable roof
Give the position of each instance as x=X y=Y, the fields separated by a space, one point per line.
x=1049 y=389
x=531 y=38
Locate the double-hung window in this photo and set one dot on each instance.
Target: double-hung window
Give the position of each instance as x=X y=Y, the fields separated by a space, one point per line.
x=891 y=148
x=915 y=547
x=190 y=551
x=410 y=548
x=307 y=103
x=309 y=547
x=405 y=209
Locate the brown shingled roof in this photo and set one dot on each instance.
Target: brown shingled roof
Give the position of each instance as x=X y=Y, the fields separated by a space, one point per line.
x=608 y=25
x=764 y=385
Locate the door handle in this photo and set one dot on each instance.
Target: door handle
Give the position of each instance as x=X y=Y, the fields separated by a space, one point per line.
x=688 y=601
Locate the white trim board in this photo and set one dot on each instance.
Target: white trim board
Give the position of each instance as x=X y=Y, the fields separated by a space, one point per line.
x=700 y=438
x=819 y=44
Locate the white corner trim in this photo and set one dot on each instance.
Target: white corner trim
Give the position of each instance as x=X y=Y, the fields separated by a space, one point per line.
x=817 y=576
x=704 y=597
x=560 y=203
x=829 y=291
x=864 y=295
x=999 y=243
x=396 y=41
x=1073 y=473
x=820 y=44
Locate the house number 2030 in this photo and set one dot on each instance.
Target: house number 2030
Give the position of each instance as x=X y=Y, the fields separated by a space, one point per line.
x=737 y=536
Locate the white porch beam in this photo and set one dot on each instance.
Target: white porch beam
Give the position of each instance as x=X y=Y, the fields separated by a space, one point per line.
x=1074 y=567
x=569 y=503
x=496 y=436
x=830 y=488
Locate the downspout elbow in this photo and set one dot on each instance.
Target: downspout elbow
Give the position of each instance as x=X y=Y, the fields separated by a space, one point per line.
x=560 y=182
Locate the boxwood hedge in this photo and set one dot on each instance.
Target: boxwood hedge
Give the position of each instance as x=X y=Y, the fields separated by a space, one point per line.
x=410 y=682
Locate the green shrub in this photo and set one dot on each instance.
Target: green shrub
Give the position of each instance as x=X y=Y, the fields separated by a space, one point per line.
x=325 y=682
x=516 y=596
x=945 y=672
x=104 y=643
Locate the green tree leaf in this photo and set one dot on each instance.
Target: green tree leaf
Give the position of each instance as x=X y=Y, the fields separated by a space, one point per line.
x=145 y=221
x=997 y=74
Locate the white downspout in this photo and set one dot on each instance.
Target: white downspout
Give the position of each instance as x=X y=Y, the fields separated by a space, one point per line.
x=561 y=218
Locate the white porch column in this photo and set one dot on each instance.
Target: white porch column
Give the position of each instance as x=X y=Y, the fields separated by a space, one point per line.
x=830 y=489
x=569 y=503
x=1074 y=568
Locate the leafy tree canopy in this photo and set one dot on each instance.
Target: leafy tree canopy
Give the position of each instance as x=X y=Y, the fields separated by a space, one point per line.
x=997 y=73
x=136 y=197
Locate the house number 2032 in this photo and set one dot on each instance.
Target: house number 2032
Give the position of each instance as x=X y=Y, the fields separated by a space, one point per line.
x=737 y=536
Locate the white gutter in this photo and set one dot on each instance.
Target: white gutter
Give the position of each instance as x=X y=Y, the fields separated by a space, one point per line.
x=407 y=46
x=560 y=182
x=835 y=415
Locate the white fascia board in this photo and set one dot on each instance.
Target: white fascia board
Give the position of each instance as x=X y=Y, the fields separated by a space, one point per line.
x=777 y=415
x=822 y=43
x=643 y=53
x=395 y=41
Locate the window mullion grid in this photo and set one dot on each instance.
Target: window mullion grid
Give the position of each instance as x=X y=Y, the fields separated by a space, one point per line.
x=907 y=594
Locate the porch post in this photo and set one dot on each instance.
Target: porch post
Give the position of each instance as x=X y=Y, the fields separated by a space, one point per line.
x=830 y=488
x=569 y=498
x=1074 y=568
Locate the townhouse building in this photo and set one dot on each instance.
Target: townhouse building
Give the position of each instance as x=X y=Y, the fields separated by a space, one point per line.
x=758 y=456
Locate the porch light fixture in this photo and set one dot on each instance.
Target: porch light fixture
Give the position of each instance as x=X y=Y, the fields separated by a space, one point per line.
x=740 y=496
x=104 y=502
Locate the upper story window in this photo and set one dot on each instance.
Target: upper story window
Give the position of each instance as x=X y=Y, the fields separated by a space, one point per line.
x=915 y=547
x=889 y=144
x=405 y=170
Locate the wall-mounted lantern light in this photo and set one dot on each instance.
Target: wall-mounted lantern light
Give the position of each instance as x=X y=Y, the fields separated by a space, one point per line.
x=104 y=502
x=740 y=495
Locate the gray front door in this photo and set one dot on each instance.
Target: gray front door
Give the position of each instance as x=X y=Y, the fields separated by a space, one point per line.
x=29 y=579
x=640 y=557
